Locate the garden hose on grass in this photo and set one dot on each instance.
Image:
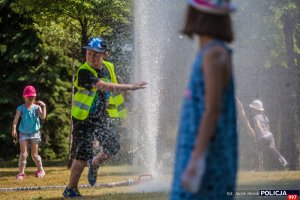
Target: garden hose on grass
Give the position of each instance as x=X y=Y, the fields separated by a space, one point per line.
x=141 y=179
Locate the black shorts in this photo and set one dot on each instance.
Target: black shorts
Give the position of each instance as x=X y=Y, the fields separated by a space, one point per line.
x=84 y=132
x=107 y=136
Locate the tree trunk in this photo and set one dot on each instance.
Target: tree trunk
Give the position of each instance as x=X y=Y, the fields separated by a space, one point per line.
x=84 y=37
x=290 y=137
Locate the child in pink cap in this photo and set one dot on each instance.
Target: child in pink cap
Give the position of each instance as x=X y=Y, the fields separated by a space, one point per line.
x=29 y=127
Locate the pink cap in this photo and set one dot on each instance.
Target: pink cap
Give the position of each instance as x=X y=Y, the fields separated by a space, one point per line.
x=218 y=7
x=29 y=91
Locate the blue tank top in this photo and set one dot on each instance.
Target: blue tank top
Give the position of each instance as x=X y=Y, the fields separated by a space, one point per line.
x=30 y=122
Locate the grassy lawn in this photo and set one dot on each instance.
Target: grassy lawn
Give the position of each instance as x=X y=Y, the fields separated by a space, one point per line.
x=57 y=175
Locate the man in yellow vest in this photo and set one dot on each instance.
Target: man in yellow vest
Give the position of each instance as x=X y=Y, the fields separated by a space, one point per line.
x=90 y=112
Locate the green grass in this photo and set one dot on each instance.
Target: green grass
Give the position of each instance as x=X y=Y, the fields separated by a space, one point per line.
x=58 y=174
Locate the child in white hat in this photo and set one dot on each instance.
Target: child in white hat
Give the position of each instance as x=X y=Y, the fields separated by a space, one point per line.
x=263 y=134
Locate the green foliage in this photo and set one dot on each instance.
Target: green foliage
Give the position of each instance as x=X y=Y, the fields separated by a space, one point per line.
x=276 y=26
x=74 y=21
x=27 y=60
x=70 y=23
x=54 y=73
x=268 y=56
x=40 y=42
x=21 y=52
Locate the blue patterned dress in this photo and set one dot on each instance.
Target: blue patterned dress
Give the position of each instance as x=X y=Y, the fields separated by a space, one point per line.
x=221 y=161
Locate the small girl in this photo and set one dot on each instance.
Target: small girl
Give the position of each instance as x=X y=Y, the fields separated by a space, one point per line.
x=30 y=113
x=263 y=134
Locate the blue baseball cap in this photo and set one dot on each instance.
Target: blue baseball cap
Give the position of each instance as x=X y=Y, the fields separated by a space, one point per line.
x=97 y=44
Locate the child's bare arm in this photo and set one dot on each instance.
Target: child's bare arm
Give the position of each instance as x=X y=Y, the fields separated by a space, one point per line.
x=244 y=118
x=215 y=65
x=114 y=87
x=43 y=111
x=15 y=122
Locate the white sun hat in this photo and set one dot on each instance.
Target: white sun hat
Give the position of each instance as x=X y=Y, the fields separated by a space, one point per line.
x=257 y=105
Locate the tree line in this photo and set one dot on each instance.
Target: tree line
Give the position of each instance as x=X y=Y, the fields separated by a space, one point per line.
x=41 y=45
x=268 y=66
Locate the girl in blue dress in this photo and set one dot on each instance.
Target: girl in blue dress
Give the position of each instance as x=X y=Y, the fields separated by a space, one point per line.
x=206 y=156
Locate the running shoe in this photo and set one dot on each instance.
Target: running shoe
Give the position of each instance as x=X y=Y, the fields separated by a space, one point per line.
x=93 y=172
x=71 y=193
x=20 y=176
x=39 y=173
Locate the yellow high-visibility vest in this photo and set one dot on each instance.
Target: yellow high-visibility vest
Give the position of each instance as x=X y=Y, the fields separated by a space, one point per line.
x=84 y=98
x=116 y=106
